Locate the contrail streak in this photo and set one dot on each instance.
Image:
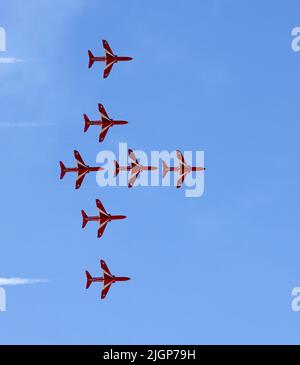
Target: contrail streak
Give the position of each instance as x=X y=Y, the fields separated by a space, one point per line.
x=10 y=60
x=25 y=125
x=20 y=281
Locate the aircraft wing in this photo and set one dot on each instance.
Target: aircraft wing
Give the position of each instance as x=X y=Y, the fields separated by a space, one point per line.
x=101 y=207
x=80 y=178
x=107 y=48
x=181 y=179
x=133 y=178
x=106 y=287
x=103 y=133
x=78 y=158
x=103 y=113
x=108 y=67
x=132 y=156
x=110 y=58
x=105 y=269
x=180 y=158
x=101 y=228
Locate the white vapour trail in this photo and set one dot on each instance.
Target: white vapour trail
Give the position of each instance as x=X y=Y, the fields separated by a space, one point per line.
x=10 y=60
x=20 y=281
x=25 y=125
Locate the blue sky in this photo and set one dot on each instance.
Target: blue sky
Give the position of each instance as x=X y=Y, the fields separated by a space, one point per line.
x=218 y=76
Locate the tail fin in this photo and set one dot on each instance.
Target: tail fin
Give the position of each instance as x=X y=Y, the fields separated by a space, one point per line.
x=84 y=218
x=88 y=279
x=86 y=122
x=166 y=169
x=91 y=59
x=117 y=168
x=62 y=169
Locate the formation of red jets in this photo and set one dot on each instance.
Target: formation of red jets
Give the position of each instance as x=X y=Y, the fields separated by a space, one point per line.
x=134 y=168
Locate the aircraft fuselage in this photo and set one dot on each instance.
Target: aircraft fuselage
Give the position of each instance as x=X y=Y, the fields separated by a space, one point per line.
x=138 y=167
x=114 y=59
x=186 y=169
x=88 y=169
x=104 y=218
x=113 y=279
x=110 y=123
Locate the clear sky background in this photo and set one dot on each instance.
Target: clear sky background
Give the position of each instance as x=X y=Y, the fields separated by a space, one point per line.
x=218 y=76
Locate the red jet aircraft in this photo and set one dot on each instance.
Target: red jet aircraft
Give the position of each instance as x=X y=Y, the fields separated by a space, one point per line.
x=105 y=122
x=103 y=218
x=183 y=168
x=135 y=168
x=108 y=279
x=82 y=169
x=110 y=59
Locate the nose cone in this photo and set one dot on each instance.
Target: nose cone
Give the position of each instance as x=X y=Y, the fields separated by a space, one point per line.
x=198 y=168
x=122 y=278
x=118 y=217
